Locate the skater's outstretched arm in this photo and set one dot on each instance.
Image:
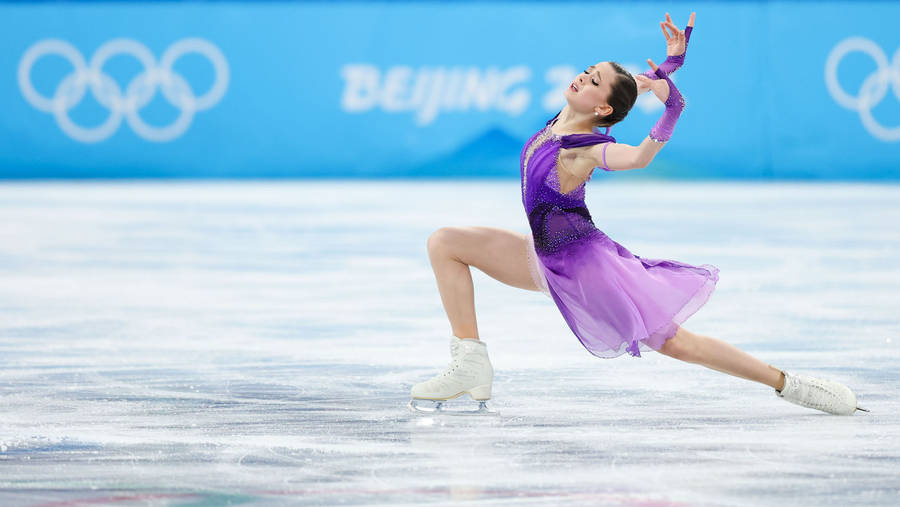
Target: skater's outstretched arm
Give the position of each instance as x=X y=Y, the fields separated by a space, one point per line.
x=620 y=156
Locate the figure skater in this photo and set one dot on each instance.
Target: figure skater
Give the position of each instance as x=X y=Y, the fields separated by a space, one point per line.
x=612 y=300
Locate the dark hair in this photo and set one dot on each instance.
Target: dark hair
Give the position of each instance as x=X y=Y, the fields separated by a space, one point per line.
x=621 y=98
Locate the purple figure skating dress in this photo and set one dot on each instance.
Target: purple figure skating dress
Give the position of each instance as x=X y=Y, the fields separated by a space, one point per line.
x=614 y=301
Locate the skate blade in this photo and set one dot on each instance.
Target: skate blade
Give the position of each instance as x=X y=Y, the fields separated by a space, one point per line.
x=438 y=408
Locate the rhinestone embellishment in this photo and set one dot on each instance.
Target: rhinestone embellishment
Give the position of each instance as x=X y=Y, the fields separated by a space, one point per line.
x=538 y=141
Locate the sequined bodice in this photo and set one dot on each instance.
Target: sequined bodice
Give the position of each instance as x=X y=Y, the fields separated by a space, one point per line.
x=556 y=219
x=543 y=136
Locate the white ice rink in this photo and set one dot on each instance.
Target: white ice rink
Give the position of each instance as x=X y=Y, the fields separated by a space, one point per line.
x=254 y=343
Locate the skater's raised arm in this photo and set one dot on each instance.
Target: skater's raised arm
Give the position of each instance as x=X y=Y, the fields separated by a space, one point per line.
x=621 y=157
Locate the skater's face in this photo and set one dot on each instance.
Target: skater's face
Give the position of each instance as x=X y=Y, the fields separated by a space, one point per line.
x=590 y=90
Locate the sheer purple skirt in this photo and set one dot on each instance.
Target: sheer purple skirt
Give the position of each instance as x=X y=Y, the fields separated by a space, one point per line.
x=617 y=302
x=534 y=266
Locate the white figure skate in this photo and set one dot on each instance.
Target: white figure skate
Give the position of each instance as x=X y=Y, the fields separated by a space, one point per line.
x=825 y=395
x=469 y=371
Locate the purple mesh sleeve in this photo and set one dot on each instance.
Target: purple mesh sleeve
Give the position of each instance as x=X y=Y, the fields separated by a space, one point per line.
x=673 y=63
x=662 y=131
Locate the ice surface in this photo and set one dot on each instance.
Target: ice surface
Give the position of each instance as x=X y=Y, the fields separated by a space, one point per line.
x=255 y=342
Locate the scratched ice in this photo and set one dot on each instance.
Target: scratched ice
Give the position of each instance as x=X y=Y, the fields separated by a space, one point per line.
x=212 y=343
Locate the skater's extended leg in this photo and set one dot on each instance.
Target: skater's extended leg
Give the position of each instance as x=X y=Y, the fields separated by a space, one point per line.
x=722 y=356
x=811 y=392
x=498 y=253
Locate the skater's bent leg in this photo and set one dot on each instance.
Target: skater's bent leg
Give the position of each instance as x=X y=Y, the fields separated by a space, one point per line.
x=499 y=253
x=721 y=356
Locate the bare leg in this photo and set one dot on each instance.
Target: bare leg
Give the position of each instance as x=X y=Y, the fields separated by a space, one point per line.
x=722 y=356
x=498 y=253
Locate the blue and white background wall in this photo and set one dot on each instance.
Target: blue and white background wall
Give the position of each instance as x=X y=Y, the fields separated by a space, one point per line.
x=802 y=90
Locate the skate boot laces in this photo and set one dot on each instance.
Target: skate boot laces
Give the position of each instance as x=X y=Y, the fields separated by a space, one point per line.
x=825 y=395
x=470 y=368
x=468 y=360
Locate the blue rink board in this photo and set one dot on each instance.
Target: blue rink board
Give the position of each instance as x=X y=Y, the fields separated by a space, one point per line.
x=433 y=90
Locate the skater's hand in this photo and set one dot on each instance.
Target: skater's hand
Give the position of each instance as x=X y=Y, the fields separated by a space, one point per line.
x=675 y=42
x=643 y=83
x=659 y=86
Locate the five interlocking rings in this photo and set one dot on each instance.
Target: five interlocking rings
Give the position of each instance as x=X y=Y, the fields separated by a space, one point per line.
x=138 y=93
x=874 y=87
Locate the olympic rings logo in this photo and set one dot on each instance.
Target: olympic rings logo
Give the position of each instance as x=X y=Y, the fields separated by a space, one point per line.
x=138 y=93
x=873 y=89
